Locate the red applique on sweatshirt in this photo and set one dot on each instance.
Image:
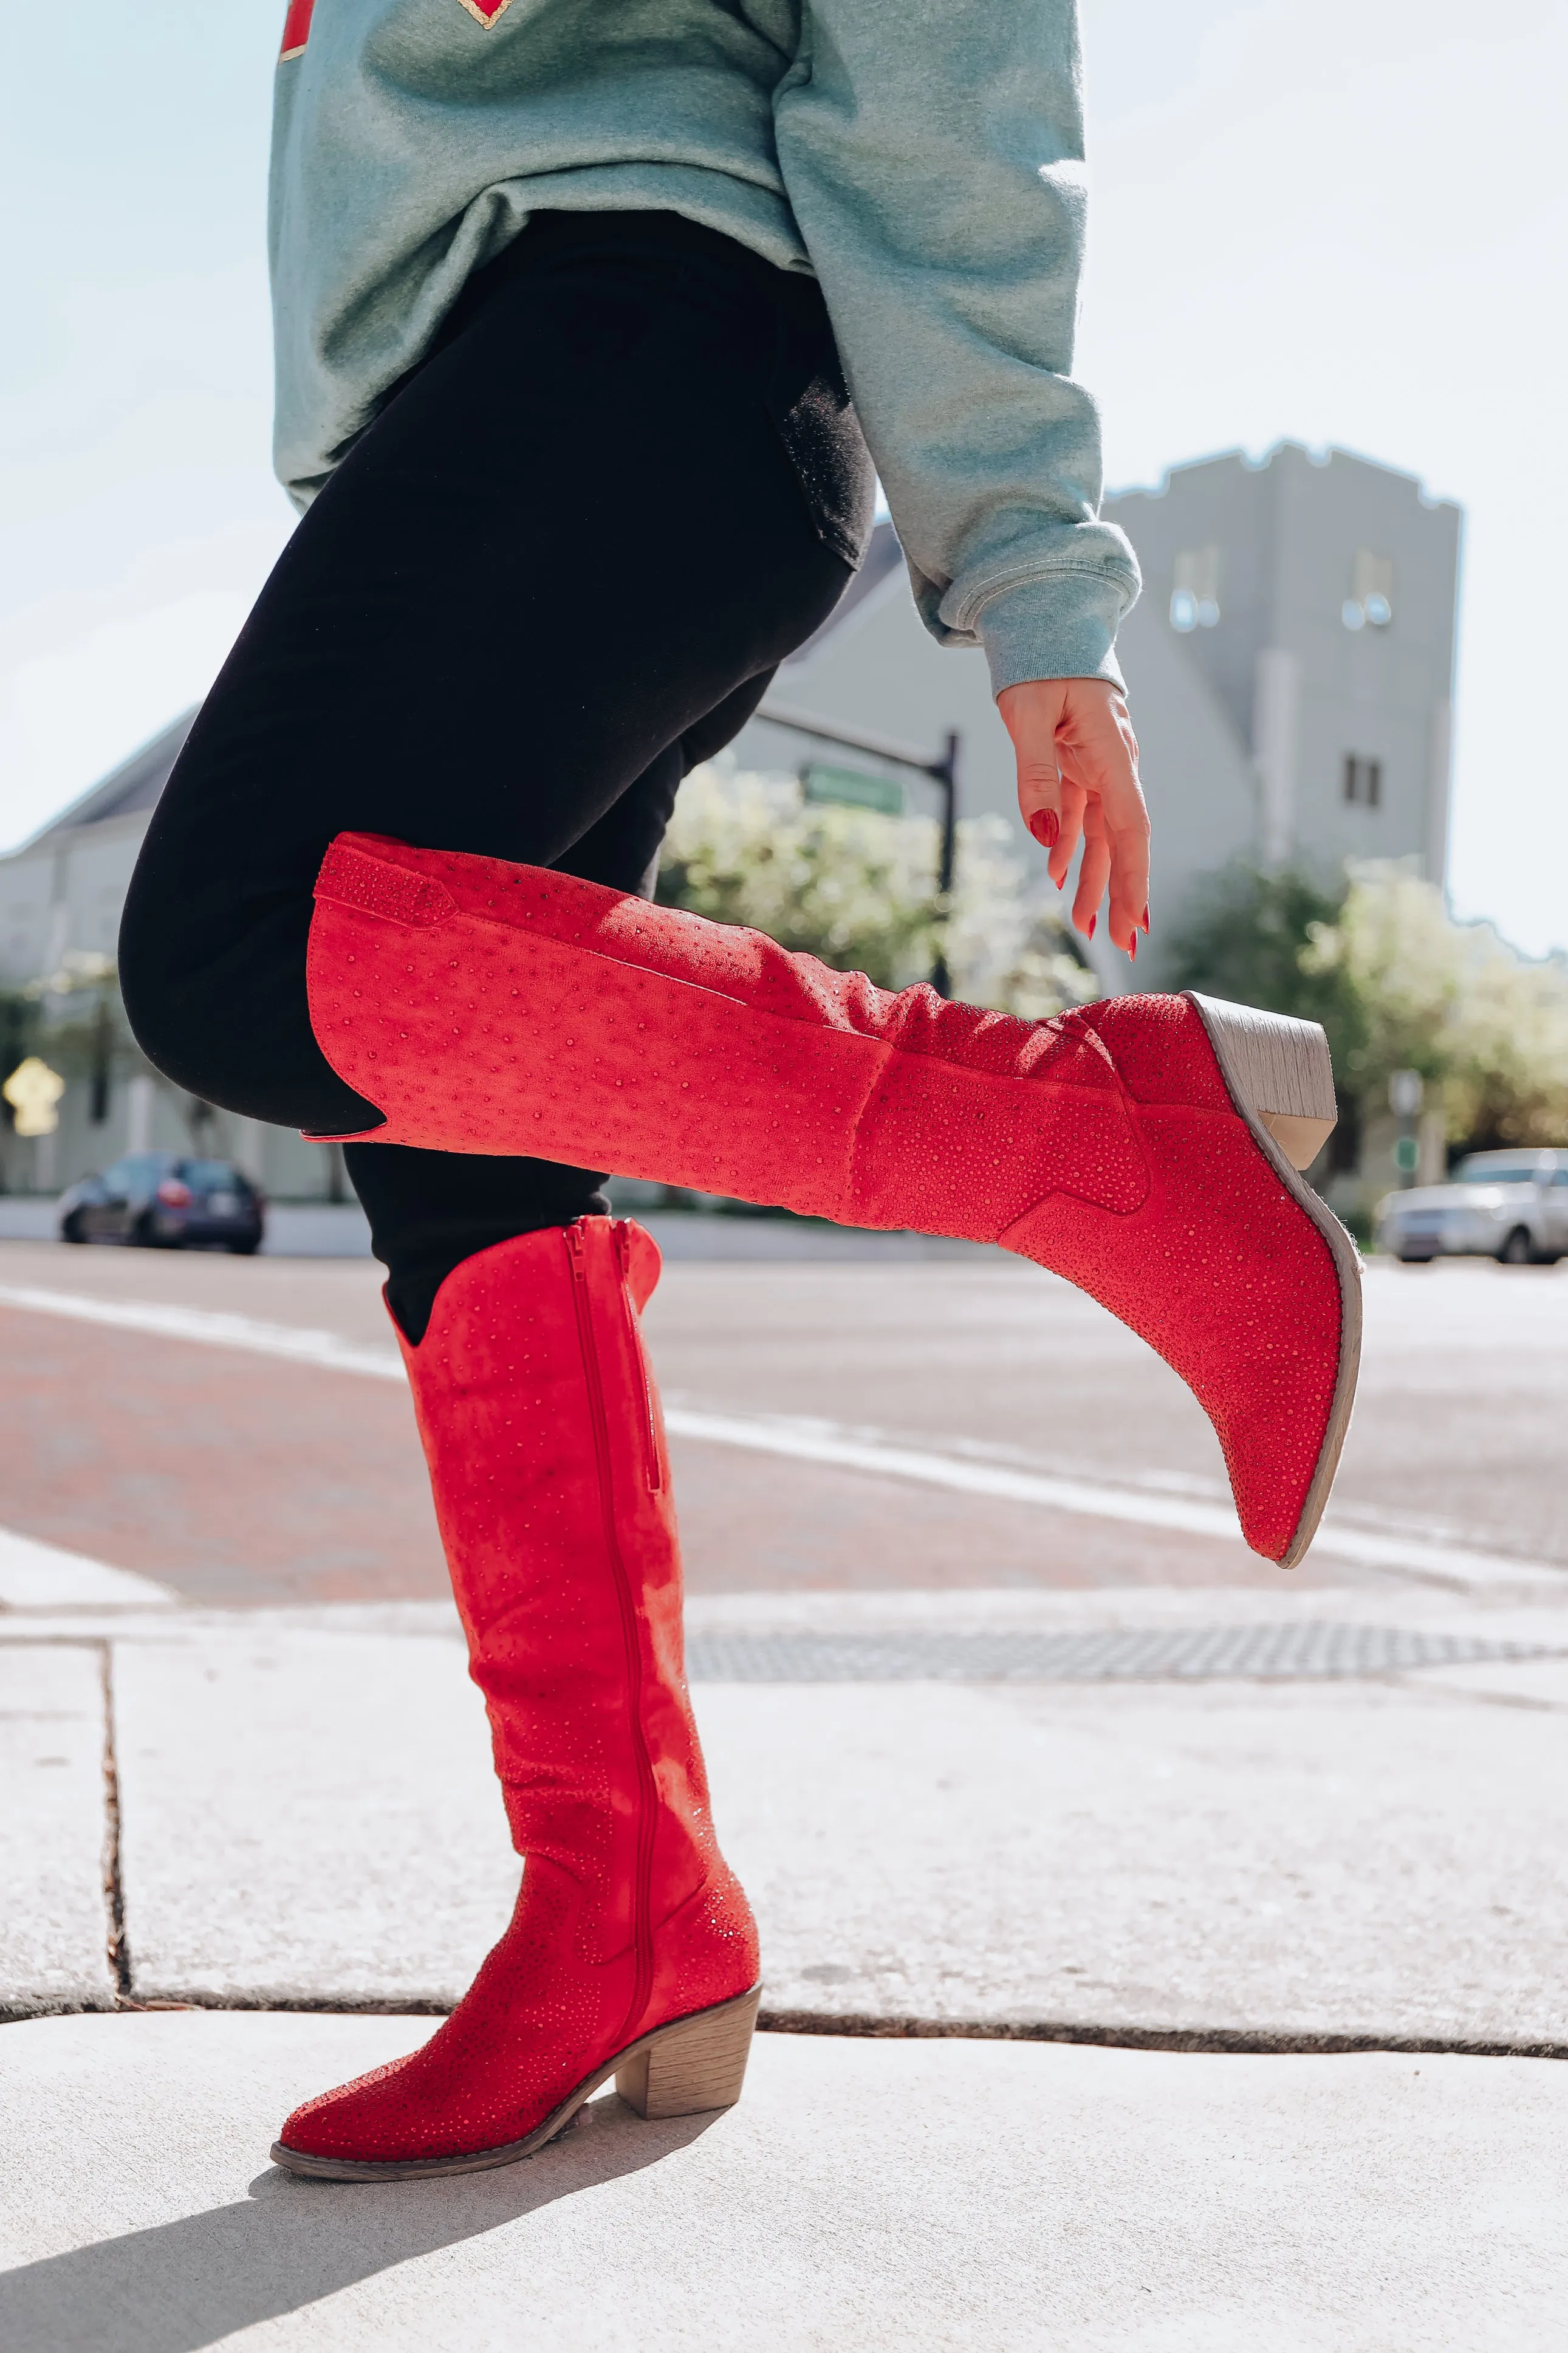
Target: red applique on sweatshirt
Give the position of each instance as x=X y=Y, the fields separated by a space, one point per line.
x=296 y=29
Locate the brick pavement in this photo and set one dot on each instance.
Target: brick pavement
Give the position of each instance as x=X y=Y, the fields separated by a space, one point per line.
x=240 y=1480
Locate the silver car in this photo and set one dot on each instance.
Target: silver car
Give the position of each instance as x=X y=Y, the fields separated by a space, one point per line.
x=1511 y=1206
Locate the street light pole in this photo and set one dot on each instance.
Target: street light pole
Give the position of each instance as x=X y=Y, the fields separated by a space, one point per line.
x=942 y=772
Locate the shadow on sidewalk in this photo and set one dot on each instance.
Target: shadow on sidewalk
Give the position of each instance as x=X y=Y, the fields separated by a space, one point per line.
x=189 y=2283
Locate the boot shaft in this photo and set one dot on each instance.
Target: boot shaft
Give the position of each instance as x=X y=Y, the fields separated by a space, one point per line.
x=541 y=1427
x=591 y=1027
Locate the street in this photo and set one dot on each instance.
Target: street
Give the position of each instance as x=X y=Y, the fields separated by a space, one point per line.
x=239 y=1478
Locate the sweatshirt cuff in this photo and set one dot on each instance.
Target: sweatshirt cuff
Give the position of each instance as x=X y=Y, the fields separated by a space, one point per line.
x=1058 y=625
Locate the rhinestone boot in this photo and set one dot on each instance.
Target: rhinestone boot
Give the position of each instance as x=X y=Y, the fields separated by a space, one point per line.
x=632 y=1950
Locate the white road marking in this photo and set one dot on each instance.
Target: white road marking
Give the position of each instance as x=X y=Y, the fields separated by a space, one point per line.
x=820 y=1443
x=295 y=1341
x=36 y=1575
x=826 y=1442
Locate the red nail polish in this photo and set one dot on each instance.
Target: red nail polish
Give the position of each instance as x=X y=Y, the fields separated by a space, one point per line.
x=1046 y=827
x=1132 y=949
x=1145 y=922
x=1092 y=920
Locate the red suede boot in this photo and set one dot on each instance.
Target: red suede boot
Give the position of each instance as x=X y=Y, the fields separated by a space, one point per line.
x=632 y=1950
x=1142 y=1147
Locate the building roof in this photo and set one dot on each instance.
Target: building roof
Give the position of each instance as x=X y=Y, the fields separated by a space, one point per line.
x=882 y=553
x=127 y=790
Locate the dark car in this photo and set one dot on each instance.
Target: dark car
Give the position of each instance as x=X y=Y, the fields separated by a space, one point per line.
x=164 y=1201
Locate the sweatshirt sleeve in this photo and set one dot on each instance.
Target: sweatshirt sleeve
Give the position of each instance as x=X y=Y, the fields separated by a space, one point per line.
x=932 y=151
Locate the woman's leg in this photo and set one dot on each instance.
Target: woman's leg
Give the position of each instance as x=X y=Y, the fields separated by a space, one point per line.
x=560 y=567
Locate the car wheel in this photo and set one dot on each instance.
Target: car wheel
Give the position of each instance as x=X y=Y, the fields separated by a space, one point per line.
x=1516 y=1249
x=141 y=1236
x=247 y=1249
x=72 y=1228
x=1417 y=1257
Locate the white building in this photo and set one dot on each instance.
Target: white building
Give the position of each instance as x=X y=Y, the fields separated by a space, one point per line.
x=1290 y=664
x=60 y=898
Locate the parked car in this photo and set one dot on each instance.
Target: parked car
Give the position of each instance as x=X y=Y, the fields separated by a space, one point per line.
x=165 y=1201
x=1511 y=1206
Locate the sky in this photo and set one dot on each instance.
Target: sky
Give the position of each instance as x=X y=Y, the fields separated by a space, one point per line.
x=1345 y=226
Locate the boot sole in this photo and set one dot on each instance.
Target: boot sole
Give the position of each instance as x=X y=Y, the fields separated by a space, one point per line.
x=1281 y=1080
x=692 y=2065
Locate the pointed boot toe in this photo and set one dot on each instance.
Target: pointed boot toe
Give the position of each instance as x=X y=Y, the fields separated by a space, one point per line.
x=1231 y=1266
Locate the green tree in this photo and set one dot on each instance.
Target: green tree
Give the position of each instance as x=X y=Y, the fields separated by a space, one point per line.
x=1397 y=984
x=1247 y=939
x=1487 y=1028
x=19 y=1028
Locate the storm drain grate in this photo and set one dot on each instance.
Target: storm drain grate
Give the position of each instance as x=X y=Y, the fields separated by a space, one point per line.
x=1195 y=1654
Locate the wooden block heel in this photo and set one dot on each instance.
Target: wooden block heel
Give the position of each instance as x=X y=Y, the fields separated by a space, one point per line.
x=1281 y=1080
x=700 y=2064
x=1278 y=1069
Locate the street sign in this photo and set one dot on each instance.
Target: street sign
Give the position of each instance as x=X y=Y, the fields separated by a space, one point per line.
x=1406 y=1154
x=33 y=1089
x=854 y=787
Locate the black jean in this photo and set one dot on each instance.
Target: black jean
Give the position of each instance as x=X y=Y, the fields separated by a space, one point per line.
x=558 y=570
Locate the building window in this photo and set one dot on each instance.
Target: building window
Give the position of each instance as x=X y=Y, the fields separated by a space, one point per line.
x=1369 y=604
x=1363 y=781
x=1195 y=596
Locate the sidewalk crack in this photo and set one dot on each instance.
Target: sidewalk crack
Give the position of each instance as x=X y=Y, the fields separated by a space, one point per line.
x=117 y=1945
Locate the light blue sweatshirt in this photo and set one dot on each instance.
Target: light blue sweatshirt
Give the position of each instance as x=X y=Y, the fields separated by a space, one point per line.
x=923 y=157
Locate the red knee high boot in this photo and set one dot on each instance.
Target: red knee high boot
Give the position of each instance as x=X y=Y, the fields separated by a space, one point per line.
x=632 y=1949
x=1142 y=1147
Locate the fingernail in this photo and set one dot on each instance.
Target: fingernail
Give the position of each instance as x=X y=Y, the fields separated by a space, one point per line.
x=1046 y=827
x=1145 y=922
x=1092 y=920
x=1062 y=884
x=1132 y=949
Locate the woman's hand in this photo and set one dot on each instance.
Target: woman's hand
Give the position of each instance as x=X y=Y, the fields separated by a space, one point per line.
x=1077 y=773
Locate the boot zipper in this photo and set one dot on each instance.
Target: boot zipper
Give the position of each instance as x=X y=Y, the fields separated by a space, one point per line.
x=639 y=1362
x=642 y=1894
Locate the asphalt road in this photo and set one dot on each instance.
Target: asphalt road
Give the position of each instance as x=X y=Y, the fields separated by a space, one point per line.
x=239 y=1478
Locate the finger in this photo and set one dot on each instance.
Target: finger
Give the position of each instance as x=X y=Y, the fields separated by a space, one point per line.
x=1126 y=824
x=1129 y=887
x=1129 y=883
x=1092 y=877
x=1104 y=753
x=1031 y=712
x=1073 y=808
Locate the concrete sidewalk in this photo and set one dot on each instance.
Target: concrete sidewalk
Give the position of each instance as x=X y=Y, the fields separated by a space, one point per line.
x=1221 y=1817
x=1359 y=1841
x=865 y=2194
